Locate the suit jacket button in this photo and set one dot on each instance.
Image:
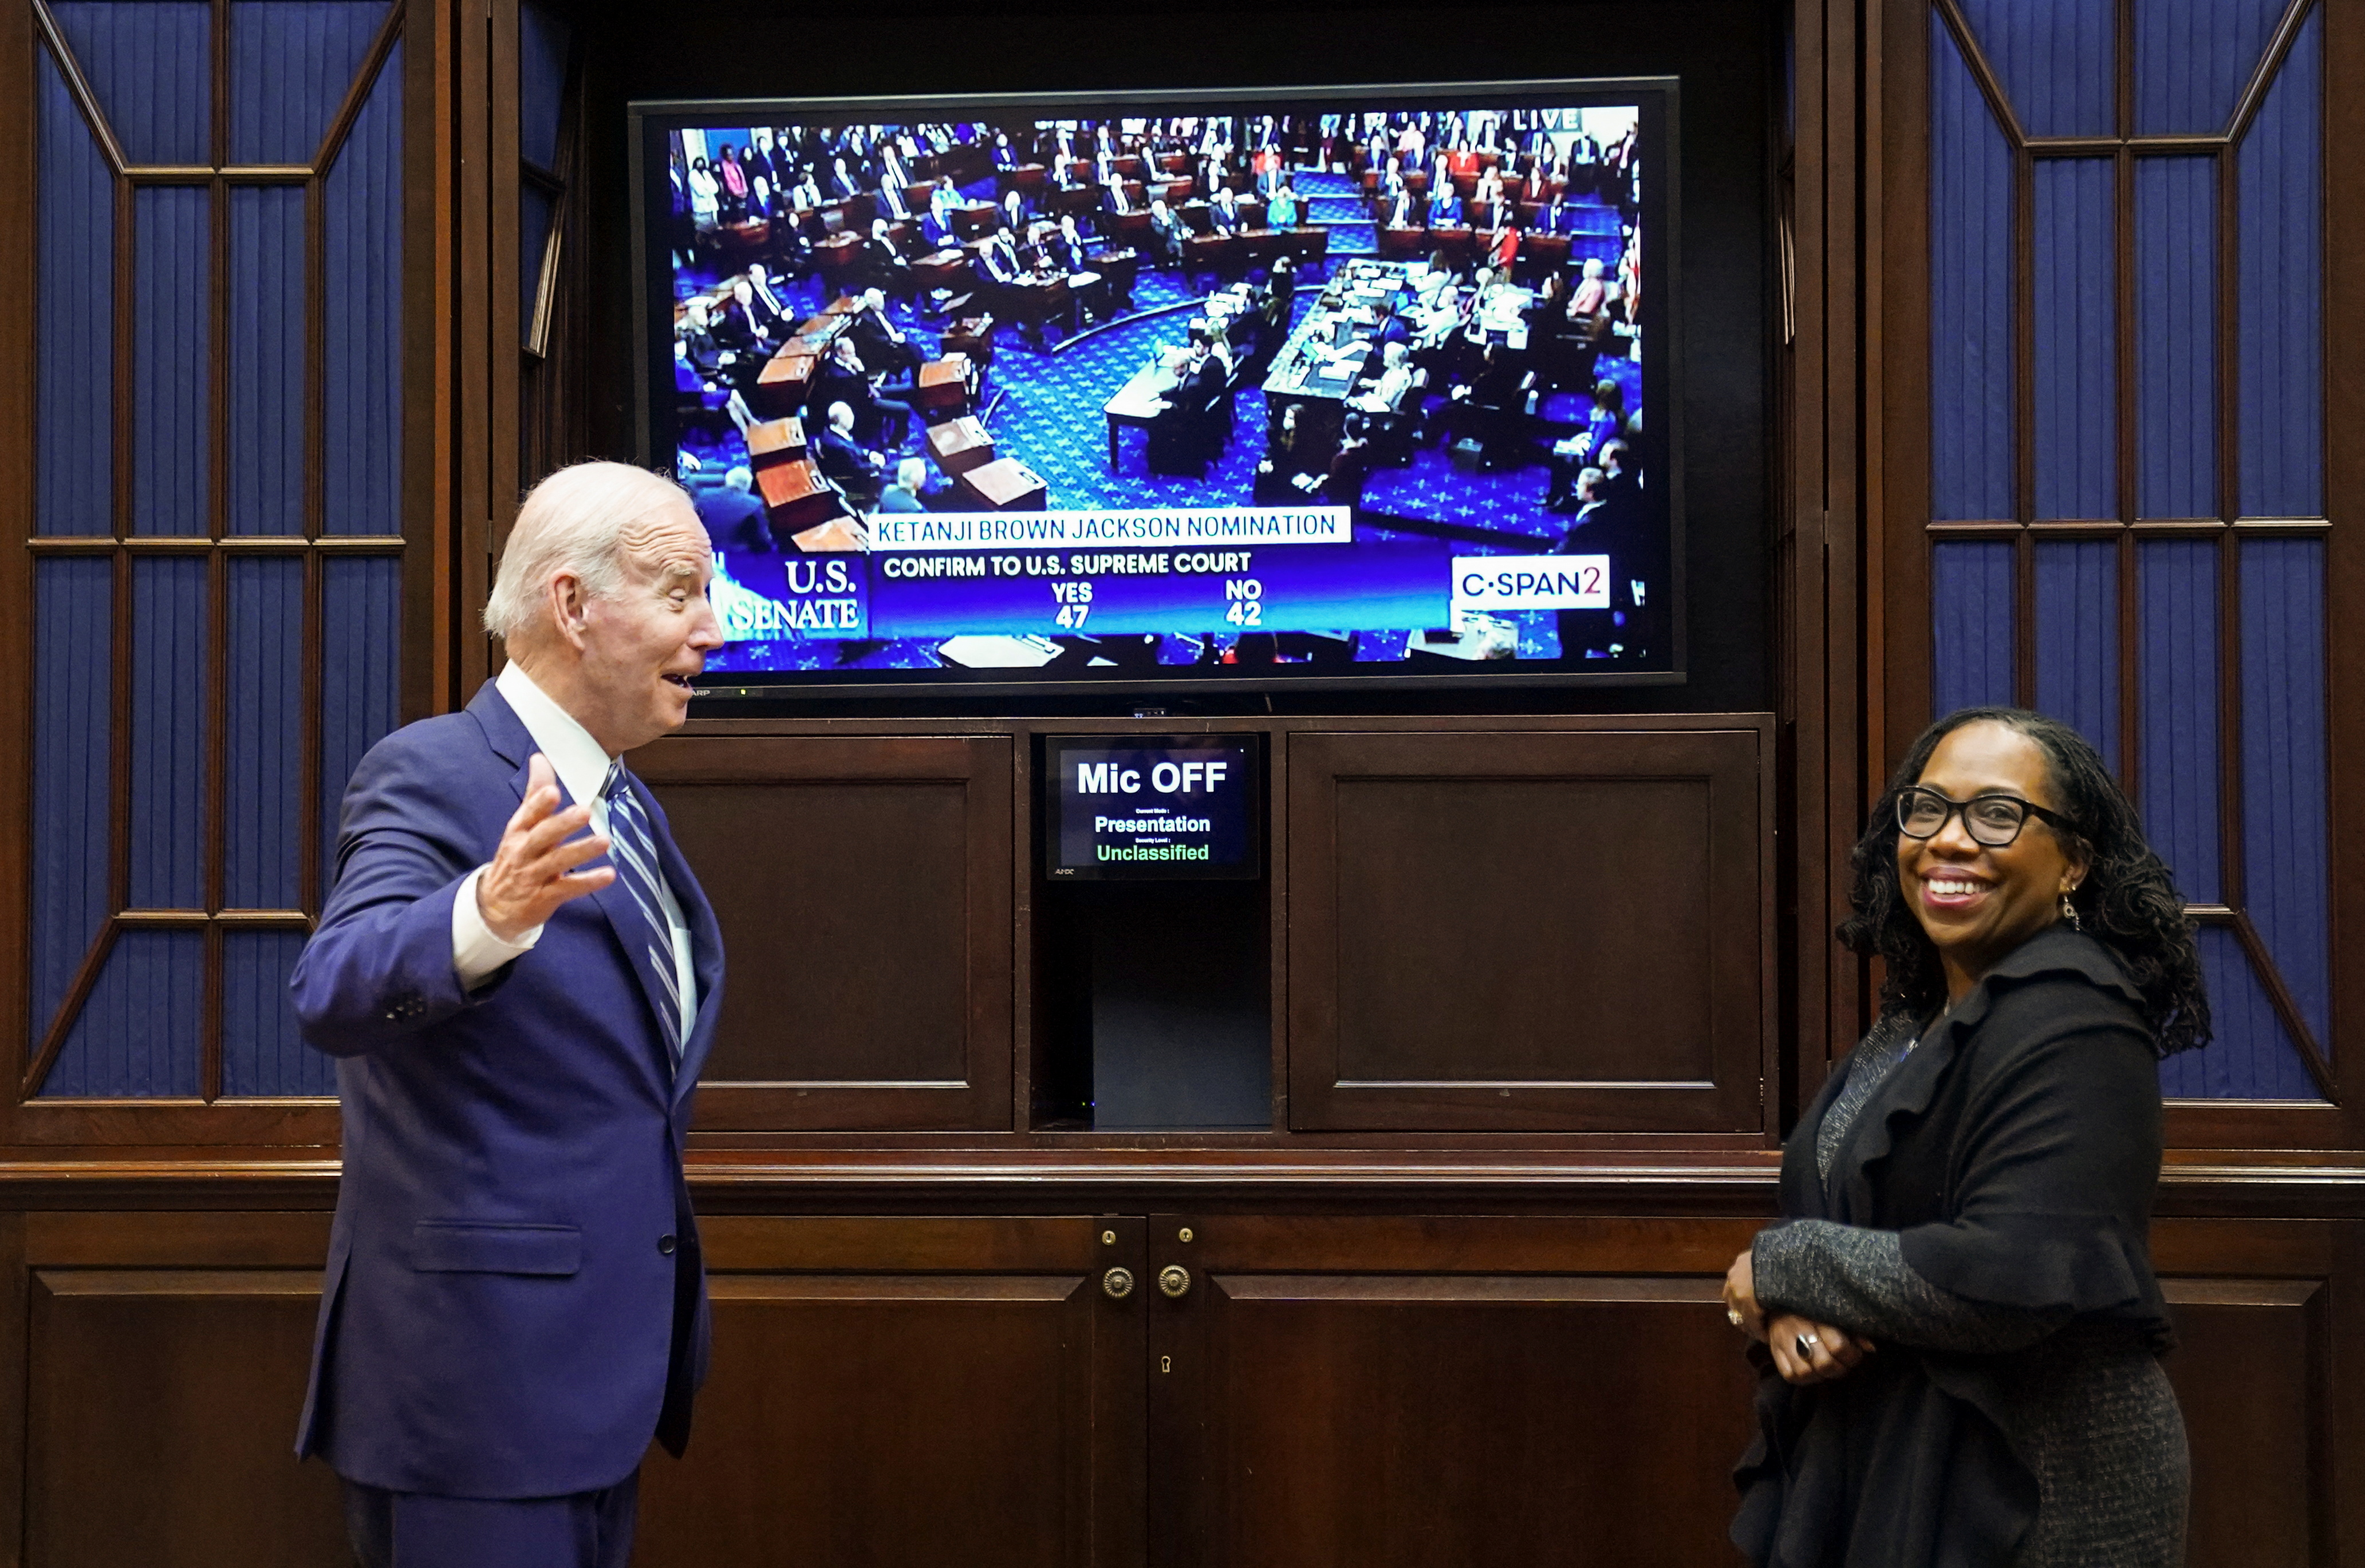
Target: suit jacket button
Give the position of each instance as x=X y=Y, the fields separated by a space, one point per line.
x=665 y=1245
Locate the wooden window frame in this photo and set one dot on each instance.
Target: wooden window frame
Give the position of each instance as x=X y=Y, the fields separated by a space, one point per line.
x=1903 y=533
x=423 y=545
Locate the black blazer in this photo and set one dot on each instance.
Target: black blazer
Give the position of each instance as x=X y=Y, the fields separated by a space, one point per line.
x=2015 y=1151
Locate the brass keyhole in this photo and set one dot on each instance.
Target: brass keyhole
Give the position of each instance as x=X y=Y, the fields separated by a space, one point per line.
x=1175 y=1281
x=1118 y=1284
x=1166 y=1363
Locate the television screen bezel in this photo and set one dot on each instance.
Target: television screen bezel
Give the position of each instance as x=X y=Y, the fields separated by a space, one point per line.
x=720 y=694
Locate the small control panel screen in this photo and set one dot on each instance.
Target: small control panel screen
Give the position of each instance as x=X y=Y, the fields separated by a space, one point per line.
x=1154 y=807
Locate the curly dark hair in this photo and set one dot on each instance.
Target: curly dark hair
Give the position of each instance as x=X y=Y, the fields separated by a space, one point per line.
x=2129 y=902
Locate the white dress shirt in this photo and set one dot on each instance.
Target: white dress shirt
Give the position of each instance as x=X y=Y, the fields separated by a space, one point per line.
x=581 y=765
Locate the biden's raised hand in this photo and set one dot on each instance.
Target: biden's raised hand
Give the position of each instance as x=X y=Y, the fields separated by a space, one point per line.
x=533 y=873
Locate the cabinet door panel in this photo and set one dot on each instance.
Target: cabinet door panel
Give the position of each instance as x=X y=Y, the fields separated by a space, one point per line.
x=1398 y=1410
x=2246 y=1371
x=1529 y=931
x=934 y=1392
x=864 y=890
x=161 y=1422
x=2271 y=1406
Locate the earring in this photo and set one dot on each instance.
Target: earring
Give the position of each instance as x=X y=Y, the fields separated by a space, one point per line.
x=2070 y=911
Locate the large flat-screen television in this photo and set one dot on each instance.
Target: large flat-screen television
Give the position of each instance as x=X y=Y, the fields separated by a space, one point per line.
x=1177 y=390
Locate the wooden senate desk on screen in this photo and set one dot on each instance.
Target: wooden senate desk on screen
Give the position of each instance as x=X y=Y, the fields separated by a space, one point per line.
x=785 y=383
x=942 y=387
x=775 y=441
x=1333 y=347
x=1007 y=485
x=796 y=497
x=959 y=445
x=1140 y=401
x=940 y=269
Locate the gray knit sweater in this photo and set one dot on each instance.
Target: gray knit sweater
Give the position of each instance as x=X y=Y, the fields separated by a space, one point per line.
x=2092 y=1411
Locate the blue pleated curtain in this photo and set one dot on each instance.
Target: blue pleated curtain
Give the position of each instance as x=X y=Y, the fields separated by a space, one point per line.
x=231 y=545
x=2224 y=469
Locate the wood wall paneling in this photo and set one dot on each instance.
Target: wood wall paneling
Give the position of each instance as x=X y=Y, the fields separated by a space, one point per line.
x=1502 y=931
x=2264 y=1312
x=1381 y=1387
x=165 y=1358
x=2246 y=1371
x=19 y=283
x=866 y=886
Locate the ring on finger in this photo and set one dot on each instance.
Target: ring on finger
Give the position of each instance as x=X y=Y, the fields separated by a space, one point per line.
x=1806 y=1344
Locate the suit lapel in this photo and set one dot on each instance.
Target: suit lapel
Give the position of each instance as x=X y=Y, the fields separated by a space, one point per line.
x=507 y=733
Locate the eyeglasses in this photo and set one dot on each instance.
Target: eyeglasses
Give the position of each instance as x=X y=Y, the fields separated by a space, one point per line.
x=1993 y=820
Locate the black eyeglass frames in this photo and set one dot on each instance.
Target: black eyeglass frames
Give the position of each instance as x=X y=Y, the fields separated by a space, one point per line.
x=1993 y=820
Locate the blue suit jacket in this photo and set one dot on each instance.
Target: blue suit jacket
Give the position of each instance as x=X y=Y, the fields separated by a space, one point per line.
x=515 y=1300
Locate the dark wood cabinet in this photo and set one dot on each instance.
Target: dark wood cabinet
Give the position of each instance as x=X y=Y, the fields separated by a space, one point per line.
x=1281 y=1379
x=1557 y=925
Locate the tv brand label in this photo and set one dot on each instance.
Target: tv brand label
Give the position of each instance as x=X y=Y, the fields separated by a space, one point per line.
x=1531 y=582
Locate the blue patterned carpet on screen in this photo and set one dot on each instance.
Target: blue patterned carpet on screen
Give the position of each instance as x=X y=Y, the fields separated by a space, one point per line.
x=1043 y=406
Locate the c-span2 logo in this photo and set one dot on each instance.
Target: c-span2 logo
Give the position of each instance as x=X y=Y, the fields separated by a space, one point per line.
x=1531 y=582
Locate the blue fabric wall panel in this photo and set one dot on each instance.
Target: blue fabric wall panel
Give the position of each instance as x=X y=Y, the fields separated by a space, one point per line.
x=363 y=310
x=2281 y=219
x=262 y=1055
x=2253 y=1057
x=73 y=663
x=542 y=84
x=172 y=381
x=150 y=64
x=262 y=812
x=2176 y=336
x=2176 y=588
x=2286 y=848
x=360 y=618
x=74 y=418
x=1970 y=297
x=169 y=830
x=1970 y=626
x=2078 y=639
x=266 y=361
x=139 y=1036
x=290 y=61
x=2192 y=59
x=2076 y=339
x=2055 y=59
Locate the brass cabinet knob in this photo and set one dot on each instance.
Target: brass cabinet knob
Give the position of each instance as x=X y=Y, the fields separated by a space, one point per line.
x=1118 y=1283
x=1175 y=1281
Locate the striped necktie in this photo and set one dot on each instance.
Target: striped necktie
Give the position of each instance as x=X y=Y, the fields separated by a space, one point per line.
x=633 y=850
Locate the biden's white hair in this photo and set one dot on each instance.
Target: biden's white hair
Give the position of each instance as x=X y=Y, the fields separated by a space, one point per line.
x=572 y=524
